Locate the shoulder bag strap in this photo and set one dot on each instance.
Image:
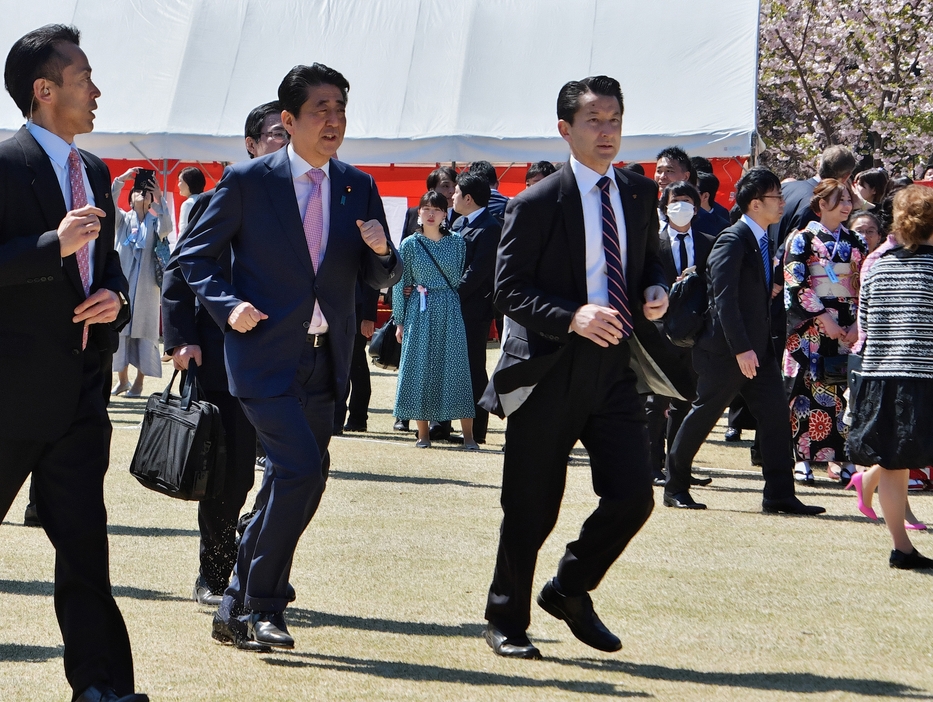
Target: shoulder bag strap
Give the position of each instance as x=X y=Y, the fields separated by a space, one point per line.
x=436 y=264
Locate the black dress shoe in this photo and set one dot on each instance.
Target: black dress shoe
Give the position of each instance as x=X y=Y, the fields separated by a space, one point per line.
x=237 y=633
x=439 y=432
x=909 y=561
x=269 y=628
x=790 y=505
x=578 y=612
x=682 y=500
x=657 y=478
x=510 y=647
x=401 y=425
x=354 y=426
x=204 y=595
x=31 y=516
x=700 y=482
x=104 y=693
x=733 y=435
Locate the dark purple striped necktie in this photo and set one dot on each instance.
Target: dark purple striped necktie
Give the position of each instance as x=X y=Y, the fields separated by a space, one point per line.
x=615 y=278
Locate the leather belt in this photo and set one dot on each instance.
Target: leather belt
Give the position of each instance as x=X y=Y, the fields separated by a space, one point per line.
x=317 y=340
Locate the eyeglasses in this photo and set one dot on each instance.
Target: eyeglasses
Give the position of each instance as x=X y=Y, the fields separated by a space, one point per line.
x=276 y=134
x=776 y=197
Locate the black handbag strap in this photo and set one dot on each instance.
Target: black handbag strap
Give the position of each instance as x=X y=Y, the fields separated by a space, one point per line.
x=190 y=390
x=437 y=265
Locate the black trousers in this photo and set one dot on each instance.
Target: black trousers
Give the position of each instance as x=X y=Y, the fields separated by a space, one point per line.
x=359 y=389
x=295 y=430
x=68 y=477
x=720 y=380
x=217 y=517
x=662 y=429
x=477 y=334
x=589 y=395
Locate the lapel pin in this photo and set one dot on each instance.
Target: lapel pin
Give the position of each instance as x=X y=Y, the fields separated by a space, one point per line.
x=634 y=196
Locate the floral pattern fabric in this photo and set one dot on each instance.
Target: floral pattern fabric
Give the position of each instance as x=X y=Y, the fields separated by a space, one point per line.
x=817 y=409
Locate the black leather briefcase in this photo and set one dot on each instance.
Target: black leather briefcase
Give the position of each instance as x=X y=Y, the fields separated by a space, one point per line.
x=181 y=450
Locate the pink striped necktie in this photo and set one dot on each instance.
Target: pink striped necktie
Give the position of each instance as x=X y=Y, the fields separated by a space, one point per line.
x=79 y=200
x=314 y=217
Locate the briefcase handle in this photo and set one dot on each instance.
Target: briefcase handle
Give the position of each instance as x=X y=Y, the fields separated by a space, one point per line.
x=190 y=390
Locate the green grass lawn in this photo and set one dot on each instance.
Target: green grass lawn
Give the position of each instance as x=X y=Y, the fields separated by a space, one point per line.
x=392 y=573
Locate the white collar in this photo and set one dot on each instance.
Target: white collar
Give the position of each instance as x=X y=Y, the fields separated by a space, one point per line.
x=299 y=166
x=53 y=145
x=754 y=226
x=673 y=233
x=587 y=178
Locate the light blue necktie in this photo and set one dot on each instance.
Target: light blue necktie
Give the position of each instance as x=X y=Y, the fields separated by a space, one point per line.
x=765 y=245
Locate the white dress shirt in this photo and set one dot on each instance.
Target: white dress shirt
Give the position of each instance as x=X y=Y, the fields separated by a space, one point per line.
x=57 y=149
x=675 y=246
x=597 y=286
x=299 y=168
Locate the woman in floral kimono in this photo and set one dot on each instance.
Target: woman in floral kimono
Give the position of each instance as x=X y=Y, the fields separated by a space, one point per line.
x=821 y=272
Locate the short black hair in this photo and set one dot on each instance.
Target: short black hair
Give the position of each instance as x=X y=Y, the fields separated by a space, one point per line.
x=293 y=90
x=568 y=99
x=35 y=55
x=194 y=179
x=708 y=183
x=701 y=165
x=432 y=198
x=635 y=167
x=541 y=168
x=681 y=187
x=438 y=174
x=677 y=154
x=753 y=185
x=476 y=186
x=485 y=169
x=257 y=116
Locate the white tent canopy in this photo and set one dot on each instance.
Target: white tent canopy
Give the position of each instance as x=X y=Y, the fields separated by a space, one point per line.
x=431 y=80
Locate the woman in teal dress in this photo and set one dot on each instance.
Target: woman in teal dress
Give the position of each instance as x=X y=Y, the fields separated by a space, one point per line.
x=434 y=374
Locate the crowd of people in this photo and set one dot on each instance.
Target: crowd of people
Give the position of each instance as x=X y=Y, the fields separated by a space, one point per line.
x=818 y=330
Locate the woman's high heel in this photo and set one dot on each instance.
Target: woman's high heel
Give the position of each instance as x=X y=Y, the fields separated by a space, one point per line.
x=856 y=482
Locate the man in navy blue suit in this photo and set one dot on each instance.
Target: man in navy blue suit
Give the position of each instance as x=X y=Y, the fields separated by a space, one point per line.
x=302 y=226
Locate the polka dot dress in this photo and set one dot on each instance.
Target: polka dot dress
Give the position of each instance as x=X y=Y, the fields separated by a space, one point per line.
x=434 y=374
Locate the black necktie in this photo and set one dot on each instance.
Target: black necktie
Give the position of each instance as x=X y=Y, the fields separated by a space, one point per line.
x=615 y=278
x=683 y=252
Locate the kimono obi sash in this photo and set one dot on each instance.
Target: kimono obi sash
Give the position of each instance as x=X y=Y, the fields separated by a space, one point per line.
x=823 y=286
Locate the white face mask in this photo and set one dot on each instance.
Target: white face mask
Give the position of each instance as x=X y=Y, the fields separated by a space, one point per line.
x=681 y=213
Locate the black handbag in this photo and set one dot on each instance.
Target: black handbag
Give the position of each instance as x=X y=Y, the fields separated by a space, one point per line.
x=834 y=370
x=384 y=349
x=686 y=311
x=181 y=450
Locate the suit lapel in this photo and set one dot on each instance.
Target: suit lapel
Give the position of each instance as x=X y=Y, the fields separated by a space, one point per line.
x=340 y=192
x=572 y=207
x=751 y=241
x=49 y=195
x=281 y=192
x=666 y=251
x=635 y=246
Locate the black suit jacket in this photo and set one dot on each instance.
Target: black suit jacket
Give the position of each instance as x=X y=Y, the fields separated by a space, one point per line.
x=541 y=272
x=185 y=321
x=739 y=317
x=710 y=222
x=41 y=362
x=797 y=212
x=702 y=245
x=479 y=267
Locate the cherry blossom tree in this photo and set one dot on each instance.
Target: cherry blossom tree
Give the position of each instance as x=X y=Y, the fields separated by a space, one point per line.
x=852 y=72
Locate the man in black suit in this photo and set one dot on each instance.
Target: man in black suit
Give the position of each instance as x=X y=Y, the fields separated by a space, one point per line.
x=481 y=232
x=734 y=354
x=190 y=333
x=714 y=216
x=497 y=201
x=359 y=390
x=835 y=162
x=62 y=294
x=578 y=268
x=683 y=247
